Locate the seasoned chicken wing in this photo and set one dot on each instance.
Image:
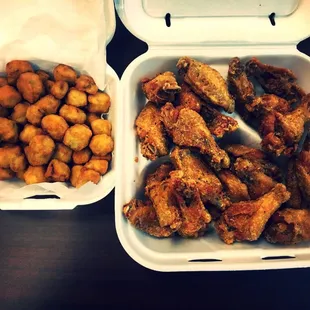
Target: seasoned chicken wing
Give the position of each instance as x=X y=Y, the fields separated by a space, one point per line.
x=142 y=215
x=234 y=188
x=194 y=169
x=289 y=226
x=195 y=217
x=239 y=84
x=206 y=82
x=302 y=166
x=292 y=186
x=188 y=99
x=187 y=128
x=151 y=132
x=162 y=88
x=160 y=190
x=275 y=80
x=247 y=152
x=246 y=220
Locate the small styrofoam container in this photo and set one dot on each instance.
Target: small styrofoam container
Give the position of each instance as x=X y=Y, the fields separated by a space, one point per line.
x=107 y=181
x=191 y=36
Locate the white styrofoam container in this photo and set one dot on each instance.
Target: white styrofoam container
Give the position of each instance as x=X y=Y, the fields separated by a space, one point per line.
x=107 y=182
x=229 y=37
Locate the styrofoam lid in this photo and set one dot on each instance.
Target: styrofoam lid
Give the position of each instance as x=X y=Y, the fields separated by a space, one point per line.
x=216 y=22
x=109 y=19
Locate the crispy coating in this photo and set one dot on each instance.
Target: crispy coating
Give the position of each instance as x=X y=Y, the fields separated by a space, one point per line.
x=206 y=82
x=188 y=99
x=77 y=137
x=40 y=150
x=246 y=220
x=3 y=81
x=101 y=145
x=151 y=133
x=161 y=88
x=9 y=96
x=72 y=114
x=86 y=84
x=6 y=174
x=257 y=181
x=19 y=113
x=187 y=128
x=59 y=89
x=48 y=84
x=292 y=185
x=28 y=132
x=15 y=68
x=7 y=154
x=194 y=169
x=99 y=103
x=34 y=175
x=75 y=173
x=48 y=104
x=87 y=175
x=8 y=130
x=239 y=85
x=34 y=114
x=195 y=218
x=98 y=165
x=100 y=126
x=4 y=112
x=142 y=215
x=57 y=171
x=302 y=166
x=160 y=190
x=76 y=98
x=275 y=80
x=55 y=126
x=218 y=123
x=240 y=150
x=234 y=188
x=65 y=73
x=63 y=153
x=82 y=157
x=90 y=117
x=44 y=76
x=289 y=226
x=30 y=86
x=18 y=163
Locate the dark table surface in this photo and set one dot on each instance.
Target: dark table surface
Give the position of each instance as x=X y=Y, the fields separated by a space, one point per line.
x=73 y=259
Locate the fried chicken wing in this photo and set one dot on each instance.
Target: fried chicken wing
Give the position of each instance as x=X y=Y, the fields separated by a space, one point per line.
x=206 y=82
x=257 y=181
x=239 y=84
x=142 y=215
x=275 y=80
x=292 y=185
x=302 y=166
x=289 y=226
x=234 y=188
x=246 y=220
x=151 y=132
x=240 y=150
x=160 y=190
x=187 y=128
x=161 y=88
x=195 y=217
x=194 y=169
x=218 y=123
x=188 y=99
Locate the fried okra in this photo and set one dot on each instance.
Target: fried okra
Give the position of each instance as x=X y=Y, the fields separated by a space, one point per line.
x=15 y=68
x=34 y=175
x=9 y=96
x=7 y=154
x=57 y=171
x=99 y=103
x=63 y=153
x=81 y=157
x=72 y=114
x=98 y=165
x=19 y=113
x=77 y=137
x=30 y=86
x=6 y=174
x=8 y=130
x=55 y=126
x=87 y=84
x=87 y=175
x=101 y=144
x=65 y=73
x=59 y=89
x=101 y=126
x=76 y=98
x=29 y=132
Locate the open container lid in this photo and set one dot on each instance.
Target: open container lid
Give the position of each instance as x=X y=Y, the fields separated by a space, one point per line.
x=220 y=22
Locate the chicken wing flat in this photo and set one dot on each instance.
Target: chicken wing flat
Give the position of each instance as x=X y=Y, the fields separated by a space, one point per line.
x=234 y=188
x=151 y=132
x=240 y=150
x=275 y=80
x=160 y=191
x=240 y=86
x=188 y=99
x=187 y=128
x=161 y=88
x=218 y=123
x=292 y=185
x=195 y=217
x=142 y=216
x=246 y=220
x=206 y=82
x=289 y=226
x=257 y=181
x=195 y=170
